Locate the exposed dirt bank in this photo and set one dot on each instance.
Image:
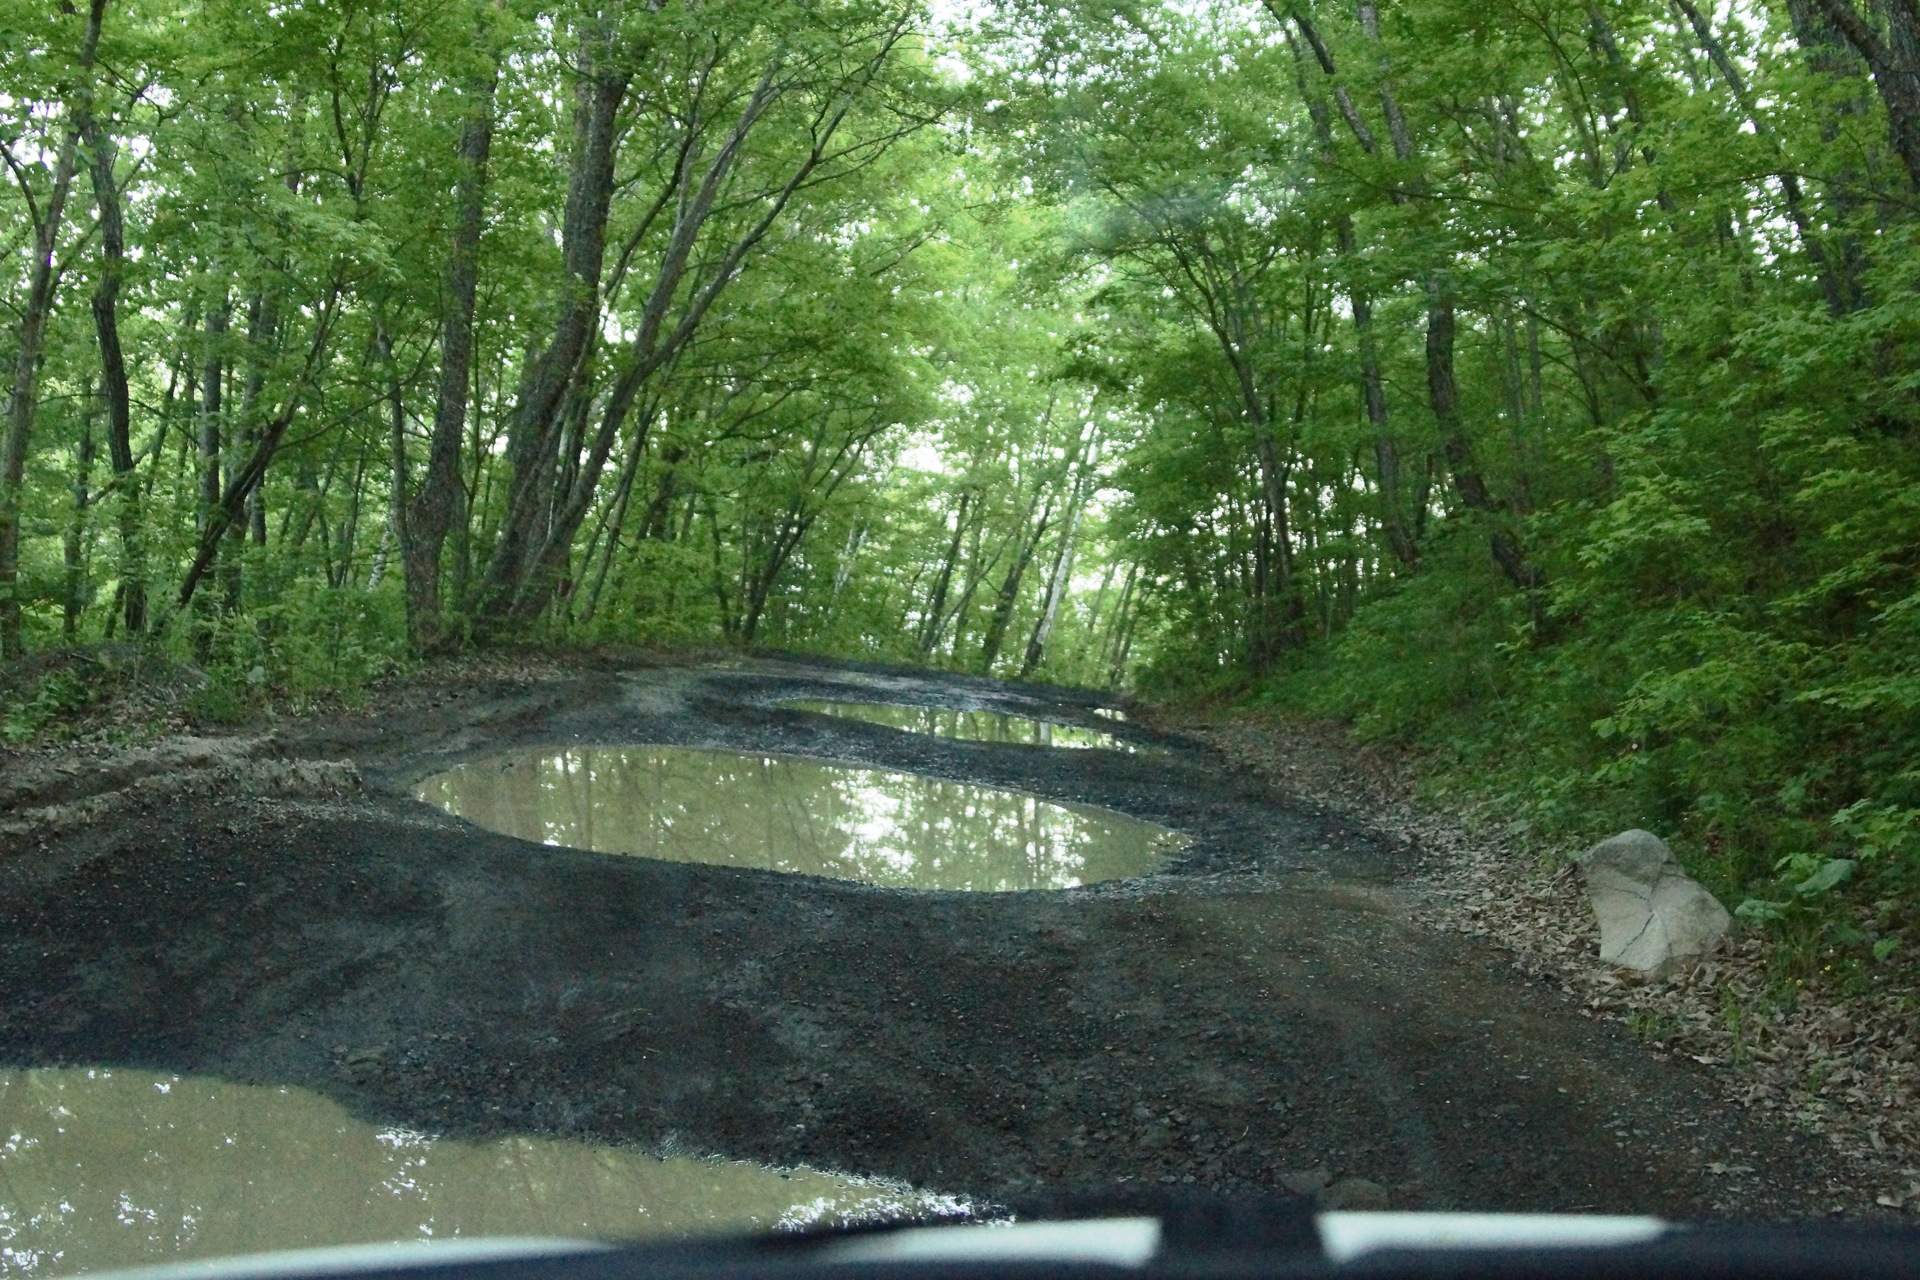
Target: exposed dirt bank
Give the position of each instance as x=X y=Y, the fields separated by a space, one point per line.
x=1270 y=1012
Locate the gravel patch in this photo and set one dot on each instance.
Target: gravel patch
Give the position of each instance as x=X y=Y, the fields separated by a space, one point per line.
x=1842 y=1067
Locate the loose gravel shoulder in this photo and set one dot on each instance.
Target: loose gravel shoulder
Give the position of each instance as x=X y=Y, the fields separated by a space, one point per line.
x=1842 y=1068
x=1277 y=1010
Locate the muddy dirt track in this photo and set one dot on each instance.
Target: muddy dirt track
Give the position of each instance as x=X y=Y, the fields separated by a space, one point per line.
x=1262 y=1015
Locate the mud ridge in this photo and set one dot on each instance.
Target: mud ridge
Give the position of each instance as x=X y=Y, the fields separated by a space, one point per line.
x=1267 y=1013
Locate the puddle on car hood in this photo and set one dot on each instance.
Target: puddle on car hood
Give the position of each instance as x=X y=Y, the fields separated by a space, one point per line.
x=112 y=1168
x=967 y=726
x=778 y=813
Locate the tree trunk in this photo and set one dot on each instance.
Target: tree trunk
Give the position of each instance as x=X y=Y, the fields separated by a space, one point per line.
x=1061 y=573
x=1443 y=395
x=1009 y=595
x=975 y=575
x=1828 y=56
x=212 y=393
x=930 y=625
x=849 y=556
x=1373 y=392
x=262 y=322
x=101 y=155
x=395 y=533
x=1274 y=478
x=1895 y=68
x=551 y=376
x=75 y=544
x=1057 y=579
x=428 y=514
x=616 y=522
x=656 y=343
x=230 y=506
x=1840 y=292
x=1386 y=449
x=1110 y=646
x=35 y=310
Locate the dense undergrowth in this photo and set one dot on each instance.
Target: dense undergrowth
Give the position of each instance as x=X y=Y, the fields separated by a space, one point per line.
x=1771 y=756
x=289 y=660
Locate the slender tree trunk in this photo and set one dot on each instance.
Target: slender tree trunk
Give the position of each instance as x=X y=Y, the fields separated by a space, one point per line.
x=656 y=342
x=1894 y=61
x=1443 y=394
x=35 y=310
x=1110 y=645
x=616 y=522
x=231 y=505
x=240 y=445
x=1829 y=57
x=75 y=544
x=1275 y=476
x=1837 y=290
x=793 y=527
x=350 y=527
x=101 y=155
x=975 y=575
x=551 y=377
x=849 y=556
x=1009 y=596
x=1061 y=572
x=178 y=368
x=930 y=625
x=212 y=393
x=1123 y=649
x=1373 y=392
x=429 y=513
x=1057 y=579
x=395 y=531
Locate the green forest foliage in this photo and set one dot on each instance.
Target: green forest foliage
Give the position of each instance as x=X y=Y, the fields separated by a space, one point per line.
x=1530 y=380
x=1533 y=382
x=344 y=333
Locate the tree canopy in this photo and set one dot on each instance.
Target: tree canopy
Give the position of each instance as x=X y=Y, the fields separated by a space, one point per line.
x=1527 y=378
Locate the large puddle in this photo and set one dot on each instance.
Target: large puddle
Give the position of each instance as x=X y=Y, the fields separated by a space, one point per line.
x=782 y=814
x=122 y=1168
x=967 y=726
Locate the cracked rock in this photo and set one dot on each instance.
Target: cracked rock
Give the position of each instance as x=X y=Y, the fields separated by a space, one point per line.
x=1651 y=912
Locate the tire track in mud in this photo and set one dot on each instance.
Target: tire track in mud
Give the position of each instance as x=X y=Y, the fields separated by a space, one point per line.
x=1263 y=1015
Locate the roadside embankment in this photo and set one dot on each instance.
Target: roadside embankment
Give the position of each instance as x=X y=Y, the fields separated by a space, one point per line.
x=1841 y=1065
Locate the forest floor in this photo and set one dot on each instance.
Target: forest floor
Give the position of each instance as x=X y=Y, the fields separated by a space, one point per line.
x=1281 y=1008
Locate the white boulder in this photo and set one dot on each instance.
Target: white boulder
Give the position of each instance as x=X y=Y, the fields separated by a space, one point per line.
x=1651 y=912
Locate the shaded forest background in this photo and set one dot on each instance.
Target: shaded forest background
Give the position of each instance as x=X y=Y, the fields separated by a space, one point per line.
x=1532 y=381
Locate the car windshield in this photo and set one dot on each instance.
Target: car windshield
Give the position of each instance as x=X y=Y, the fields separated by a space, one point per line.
x=663 y=618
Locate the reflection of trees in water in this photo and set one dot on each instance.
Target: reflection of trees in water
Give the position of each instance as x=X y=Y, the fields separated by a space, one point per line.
x=115 y=1168
x=796 y=816
x=969 y=726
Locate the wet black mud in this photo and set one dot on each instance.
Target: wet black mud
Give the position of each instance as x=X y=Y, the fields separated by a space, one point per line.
x=1262 y=1015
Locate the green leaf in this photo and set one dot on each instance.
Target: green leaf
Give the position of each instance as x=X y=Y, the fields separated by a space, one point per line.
x=1837 y=871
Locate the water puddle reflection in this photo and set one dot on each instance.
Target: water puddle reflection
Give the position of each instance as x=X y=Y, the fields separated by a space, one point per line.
x=968 y=726
x=121 y=1168
x=782 y=814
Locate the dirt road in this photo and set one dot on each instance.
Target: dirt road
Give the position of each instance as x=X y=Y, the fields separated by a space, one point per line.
x=1263 y=1014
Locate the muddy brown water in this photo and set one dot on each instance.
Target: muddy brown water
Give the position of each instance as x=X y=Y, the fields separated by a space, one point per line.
x=112 y=1168
x=970 y=726
x=779 y=813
